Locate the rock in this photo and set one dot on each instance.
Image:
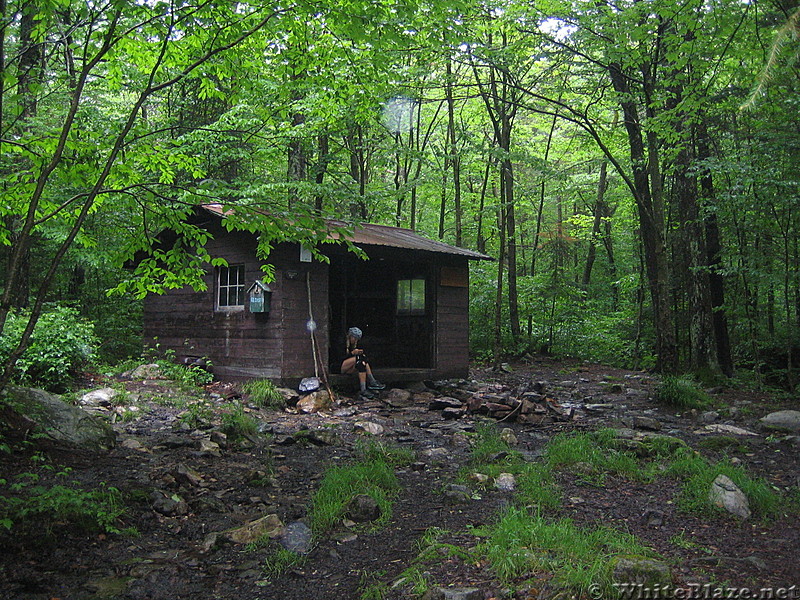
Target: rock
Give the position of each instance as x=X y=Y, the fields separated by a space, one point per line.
x=220 y=438
x=722 y=428
x=782 y=420
x=369 y=427
x=648 y=423
x=598 y=407
x=208 y=448
x=444 y=402
x=168 y=505
x=457 y=494
x=398 y=398
x=709 y=416
x=267 y=526
x=347 y=411
x=133 y=444
x=150 y=371
x=453 y=413
x=725 y=494
x=320 y=437
x=634 y=569
x=314 y=402
x=297 y=537
x=508 y=436
x=186 y=475
x=653 y=518
x=505 y=482
x=363 y=508
x=461 y=439
x=101 y=397
x=62 y=423
x=442 y=593
x=436 y=454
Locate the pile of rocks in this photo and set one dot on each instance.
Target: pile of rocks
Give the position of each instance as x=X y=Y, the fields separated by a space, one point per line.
x=528 y=403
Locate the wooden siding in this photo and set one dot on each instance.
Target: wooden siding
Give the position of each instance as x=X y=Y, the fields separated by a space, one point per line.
x=243 y=345
x=452 y=324
x=240 y=344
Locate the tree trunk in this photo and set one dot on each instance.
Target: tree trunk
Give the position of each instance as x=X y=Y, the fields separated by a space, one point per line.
x=599 y=211
x=714 y=257
x=703 y=355
x=452 y=153
x=651 y=221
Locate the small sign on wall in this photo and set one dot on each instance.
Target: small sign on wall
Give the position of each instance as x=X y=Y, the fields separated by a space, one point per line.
x=305 y=254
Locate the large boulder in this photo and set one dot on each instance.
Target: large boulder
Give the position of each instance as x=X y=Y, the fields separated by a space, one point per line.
x=783 y=420
x=62 y=423
x=725 y=494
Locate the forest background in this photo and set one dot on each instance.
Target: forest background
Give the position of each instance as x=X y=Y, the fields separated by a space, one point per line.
x=633 y=165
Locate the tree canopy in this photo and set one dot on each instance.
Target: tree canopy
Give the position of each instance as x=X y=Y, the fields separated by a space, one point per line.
x=632 y=165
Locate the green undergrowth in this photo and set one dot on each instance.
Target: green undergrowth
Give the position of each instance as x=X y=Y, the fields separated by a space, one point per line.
x=524 y=543
x=263 y=393
x=372 y=475
x=697 y=475
x=681 y=392
x=279 y=561
x=431 y=549
x=24 y=502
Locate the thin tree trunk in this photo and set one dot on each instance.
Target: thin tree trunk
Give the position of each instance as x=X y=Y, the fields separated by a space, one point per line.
x=497 y=346
x=480 y=242
x=602 y=184
x=452 y=153
x=714 y=257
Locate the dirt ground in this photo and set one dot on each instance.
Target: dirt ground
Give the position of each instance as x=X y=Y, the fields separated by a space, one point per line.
x=167 y=560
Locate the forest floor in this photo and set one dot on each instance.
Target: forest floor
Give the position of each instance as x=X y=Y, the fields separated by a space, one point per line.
x=171 y=557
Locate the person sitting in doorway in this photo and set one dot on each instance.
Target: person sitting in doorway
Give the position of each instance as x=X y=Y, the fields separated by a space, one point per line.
x=356 y=362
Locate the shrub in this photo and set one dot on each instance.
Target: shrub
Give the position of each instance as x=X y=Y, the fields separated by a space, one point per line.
x=62 y=343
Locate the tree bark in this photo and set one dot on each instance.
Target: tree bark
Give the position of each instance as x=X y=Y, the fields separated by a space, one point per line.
x=651 y=221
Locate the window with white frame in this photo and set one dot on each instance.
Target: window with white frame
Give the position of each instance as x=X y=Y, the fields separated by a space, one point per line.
x=230 y=287
x=411 y=297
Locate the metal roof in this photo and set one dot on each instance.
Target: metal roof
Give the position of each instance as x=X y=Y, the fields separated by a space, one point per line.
x=370 y=234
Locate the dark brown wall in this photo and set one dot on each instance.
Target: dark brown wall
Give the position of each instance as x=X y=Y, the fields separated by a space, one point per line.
x=452 y=322
x=242 y=345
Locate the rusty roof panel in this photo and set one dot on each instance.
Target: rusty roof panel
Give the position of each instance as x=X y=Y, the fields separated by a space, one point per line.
x=397 y=237
x=370 y=234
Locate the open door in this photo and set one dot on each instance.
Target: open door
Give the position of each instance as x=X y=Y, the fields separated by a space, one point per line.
x=392 y=302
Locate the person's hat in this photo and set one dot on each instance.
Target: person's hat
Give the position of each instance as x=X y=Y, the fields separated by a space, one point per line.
x=355 y=332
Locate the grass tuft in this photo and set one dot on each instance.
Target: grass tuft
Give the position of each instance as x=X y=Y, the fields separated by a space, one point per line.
x=341 y=484
x=680 y=392
x=263 y=393
x=522 y=544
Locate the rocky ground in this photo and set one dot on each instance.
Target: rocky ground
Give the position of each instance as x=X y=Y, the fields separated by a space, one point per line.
x=187 y=489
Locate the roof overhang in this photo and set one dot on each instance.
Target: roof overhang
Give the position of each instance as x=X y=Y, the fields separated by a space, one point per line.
x=370 y=234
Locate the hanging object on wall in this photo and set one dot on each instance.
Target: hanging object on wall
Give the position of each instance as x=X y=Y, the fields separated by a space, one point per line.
x=260 y=297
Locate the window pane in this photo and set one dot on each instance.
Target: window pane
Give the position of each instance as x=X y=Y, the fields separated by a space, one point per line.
x=417 y=295
x=230 y=286
x=411 y=296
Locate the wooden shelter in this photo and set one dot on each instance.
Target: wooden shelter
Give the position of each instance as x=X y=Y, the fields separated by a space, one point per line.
x=411 y=300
